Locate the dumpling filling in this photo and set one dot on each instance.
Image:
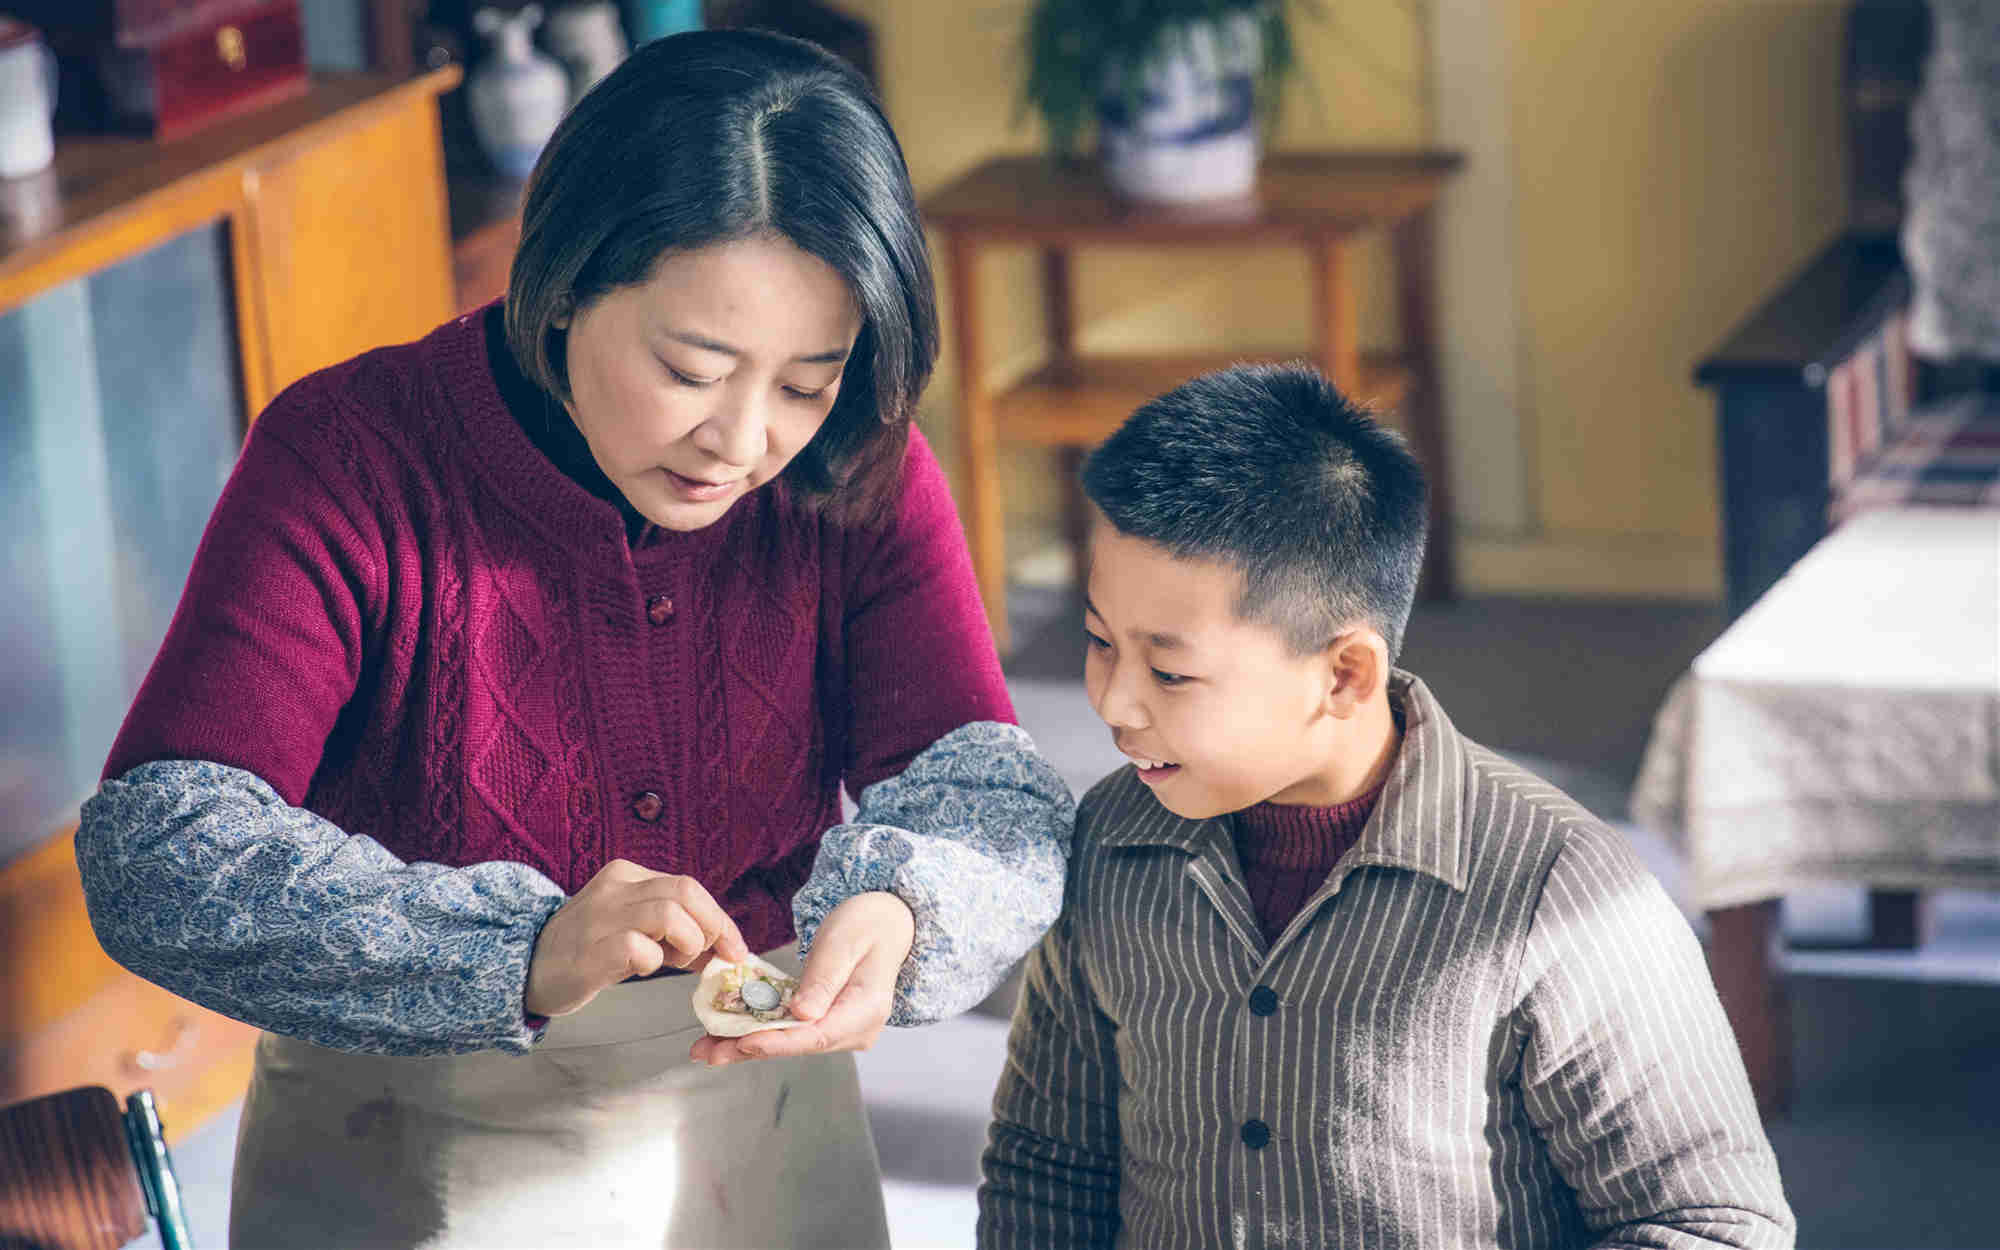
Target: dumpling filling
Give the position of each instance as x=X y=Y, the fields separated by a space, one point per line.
x=734 y=999
x=752 y=993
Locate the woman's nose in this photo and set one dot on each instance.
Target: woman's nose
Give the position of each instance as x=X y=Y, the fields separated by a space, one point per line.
x=738 y=432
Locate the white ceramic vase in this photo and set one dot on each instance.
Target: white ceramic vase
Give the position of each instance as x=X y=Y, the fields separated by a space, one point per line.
x=27 y=100
x=1188 y=133
x=517 y=95
x=589 y=41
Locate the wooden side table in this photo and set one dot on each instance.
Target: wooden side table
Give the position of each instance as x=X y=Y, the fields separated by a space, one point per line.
x=1319 y=201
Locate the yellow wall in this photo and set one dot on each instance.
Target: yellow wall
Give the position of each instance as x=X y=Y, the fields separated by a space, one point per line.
x=1671 y=161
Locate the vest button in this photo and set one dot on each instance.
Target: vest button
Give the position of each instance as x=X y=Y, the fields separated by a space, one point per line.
x=1256 y=1134
x=1263 y=1001
x=648 y=806
x=660 y=609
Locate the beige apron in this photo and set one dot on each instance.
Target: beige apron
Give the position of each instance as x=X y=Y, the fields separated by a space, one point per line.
x=606 y=1135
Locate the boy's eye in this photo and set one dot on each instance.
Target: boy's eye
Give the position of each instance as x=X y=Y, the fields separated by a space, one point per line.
x=1168 y=679
x=1094 y=642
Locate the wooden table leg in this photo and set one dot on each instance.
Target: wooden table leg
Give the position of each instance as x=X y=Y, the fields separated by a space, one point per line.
x=1742 y=957
x=1423 y=412
x=1336 y=336
x=1059 y=315
x=1896 y=919
x=979 y=451
x=1059 y=304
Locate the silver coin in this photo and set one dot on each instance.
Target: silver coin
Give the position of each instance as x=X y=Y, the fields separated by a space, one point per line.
x=760 y=995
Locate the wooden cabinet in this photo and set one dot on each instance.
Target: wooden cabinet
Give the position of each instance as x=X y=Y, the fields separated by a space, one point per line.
x=352 y=250
x=334 y=204
x=153 y=298
x=69 y=1016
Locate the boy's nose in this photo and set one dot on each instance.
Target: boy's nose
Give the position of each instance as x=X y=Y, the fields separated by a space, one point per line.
x=1118 y=707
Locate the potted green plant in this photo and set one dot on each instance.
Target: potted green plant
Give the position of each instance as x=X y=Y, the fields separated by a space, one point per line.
x=1177 y=89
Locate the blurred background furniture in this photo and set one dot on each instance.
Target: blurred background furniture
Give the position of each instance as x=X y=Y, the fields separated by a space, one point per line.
x=1871 y=381
x=76 y=1173
x=1840 y=731
x=1319 y=202
x=167 y=70
x=485 y=203
x=1822 y=407
x=154 y=296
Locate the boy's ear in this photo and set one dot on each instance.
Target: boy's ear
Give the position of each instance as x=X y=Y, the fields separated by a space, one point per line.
x=1357 y=665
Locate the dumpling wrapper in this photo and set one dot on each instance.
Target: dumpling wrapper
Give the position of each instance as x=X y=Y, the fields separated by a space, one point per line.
x=721 y=1023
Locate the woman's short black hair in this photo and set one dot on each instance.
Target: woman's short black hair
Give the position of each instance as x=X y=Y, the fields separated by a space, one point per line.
x=1269 y=469
x=714 y=136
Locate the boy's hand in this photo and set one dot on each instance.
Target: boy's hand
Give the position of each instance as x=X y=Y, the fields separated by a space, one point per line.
x=627 y=922
x=846 y=991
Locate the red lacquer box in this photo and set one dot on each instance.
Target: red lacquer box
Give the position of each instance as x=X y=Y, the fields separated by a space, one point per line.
x=168 y=67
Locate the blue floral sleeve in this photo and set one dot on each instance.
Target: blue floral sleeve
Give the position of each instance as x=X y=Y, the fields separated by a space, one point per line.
x=974 y=835
x=201 y=879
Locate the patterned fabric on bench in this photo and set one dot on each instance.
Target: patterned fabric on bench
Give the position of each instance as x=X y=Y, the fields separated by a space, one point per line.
x=1946 y=455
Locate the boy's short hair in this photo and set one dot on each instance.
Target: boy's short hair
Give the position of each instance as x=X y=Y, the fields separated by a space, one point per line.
x=1272 y=470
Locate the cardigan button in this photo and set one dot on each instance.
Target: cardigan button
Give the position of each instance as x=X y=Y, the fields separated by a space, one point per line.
x=660 y=609
x=1256 y=1134
x=648 y=806
x=1263 y=1001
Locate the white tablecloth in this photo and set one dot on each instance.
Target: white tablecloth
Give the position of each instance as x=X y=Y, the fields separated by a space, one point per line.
x=1847 y=727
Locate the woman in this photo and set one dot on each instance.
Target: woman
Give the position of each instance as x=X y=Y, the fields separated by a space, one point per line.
x=527 y=661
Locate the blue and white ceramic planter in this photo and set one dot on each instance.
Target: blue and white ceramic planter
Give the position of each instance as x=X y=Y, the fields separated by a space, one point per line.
x=1189 y=133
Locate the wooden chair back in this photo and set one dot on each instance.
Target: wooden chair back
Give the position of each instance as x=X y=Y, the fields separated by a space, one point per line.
x=69 y=1179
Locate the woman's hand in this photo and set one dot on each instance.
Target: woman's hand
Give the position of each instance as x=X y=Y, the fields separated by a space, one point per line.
x=627 y=922
x=846 y=990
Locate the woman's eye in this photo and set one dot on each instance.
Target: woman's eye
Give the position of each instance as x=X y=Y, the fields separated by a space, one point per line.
x=806 y=395
x=688 y=379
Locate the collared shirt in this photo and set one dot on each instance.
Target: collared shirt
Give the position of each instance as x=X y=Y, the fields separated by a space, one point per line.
x=1488 y=1027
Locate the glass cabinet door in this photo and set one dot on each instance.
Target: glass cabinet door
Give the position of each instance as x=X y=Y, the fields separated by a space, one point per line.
x=120 y=417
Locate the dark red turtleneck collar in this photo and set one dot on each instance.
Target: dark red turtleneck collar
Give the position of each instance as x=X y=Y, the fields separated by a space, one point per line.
x=1287 y=849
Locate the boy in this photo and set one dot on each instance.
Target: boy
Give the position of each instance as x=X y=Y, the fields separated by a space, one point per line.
x=1327 y=973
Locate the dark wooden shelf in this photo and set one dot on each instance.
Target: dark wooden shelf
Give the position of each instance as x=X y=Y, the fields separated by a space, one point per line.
x=1816 y=318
